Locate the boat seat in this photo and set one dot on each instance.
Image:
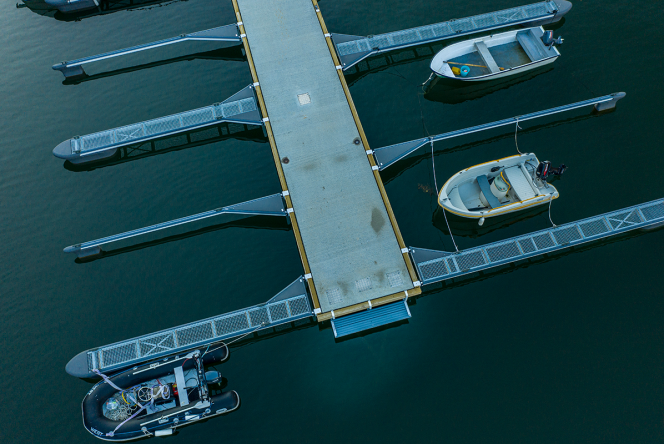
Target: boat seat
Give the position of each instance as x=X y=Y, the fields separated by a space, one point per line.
x=455 y=198
x=486 y=190
x=520 y=182
x=487 y=57
x=530 y=45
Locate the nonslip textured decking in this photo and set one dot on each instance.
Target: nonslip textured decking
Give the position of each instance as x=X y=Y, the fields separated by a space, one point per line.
x=350 y=245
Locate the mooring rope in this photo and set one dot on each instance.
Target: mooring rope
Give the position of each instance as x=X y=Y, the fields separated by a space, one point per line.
x=234 y=340
x=433 y=165
x=516 y=129
x=550 y=220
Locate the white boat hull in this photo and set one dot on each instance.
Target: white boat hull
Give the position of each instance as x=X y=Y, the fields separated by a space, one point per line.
x=461 y=193
x=495 y=56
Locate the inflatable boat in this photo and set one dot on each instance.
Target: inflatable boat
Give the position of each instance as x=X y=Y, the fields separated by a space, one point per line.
x=497 y=56
x=499 y=187
x=156 y=398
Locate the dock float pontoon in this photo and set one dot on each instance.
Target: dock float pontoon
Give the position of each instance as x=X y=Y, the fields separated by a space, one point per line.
x=389 y=155
x=435 y=266
x=352 y=254
x=265 y=206
x=239 y=108
x=289 y=305
x=352 y=49
x=74 y=68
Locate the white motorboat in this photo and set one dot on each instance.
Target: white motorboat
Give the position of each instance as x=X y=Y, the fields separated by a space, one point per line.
x=499 y=187
x=496 y=56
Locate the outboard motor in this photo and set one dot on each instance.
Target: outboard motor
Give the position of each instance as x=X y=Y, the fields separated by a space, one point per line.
x=544 y=170
x=213 y=377
x=549 y=41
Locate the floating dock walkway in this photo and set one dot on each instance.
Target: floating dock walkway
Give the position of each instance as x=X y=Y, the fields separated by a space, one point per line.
x=351 y=248
x=358 y=271
x=435 y=266
x=239 y=108
x=352 y=49
x=288 y=306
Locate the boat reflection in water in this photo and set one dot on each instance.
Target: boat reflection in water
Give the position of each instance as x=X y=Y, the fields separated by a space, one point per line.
x=449 y=91
x=464 y=227
x=68 y=11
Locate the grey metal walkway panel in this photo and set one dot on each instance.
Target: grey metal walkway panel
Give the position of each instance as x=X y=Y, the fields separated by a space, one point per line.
x=240 y=108
x=434 y=266
x=228 y=33
x=289 y=305
x=366 y=320
x=264 y=206
x=389 y=155
x=349 y=242
x=353 y=49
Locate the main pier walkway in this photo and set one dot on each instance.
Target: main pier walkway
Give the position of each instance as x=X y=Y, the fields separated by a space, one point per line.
x=353 y=254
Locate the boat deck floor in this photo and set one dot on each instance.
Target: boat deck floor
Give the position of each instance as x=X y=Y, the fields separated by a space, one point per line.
x=508 y=55
x=348 y=239
x=472 y=58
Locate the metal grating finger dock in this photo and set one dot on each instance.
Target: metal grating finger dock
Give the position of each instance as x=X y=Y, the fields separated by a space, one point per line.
x=435 y=266
x=289 y=305
x=353 y=49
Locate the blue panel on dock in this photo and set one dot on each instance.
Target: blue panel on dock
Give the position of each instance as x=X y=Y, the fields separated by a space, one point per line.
x=369 y=319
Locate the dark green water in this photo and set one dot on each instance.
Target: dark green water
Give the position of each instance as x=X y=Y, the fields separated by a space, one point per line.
x=566 y=350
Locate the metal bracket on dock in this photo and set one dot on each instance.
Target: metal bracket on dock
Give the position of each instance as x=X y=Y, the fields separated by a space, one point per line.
x=435 y=266
x=389 y=155
x=228 y=33
x=265 y=206
x=352 y=49
x=289 y=305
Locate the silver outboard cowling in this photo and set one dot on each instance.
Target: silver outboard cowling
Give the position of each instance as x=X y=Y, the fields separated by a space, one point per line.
x=549 y=41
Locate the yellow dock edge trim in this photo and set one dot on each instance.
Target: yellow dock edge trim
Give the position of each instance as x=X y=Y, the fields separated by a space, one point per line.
x=365 y=305
x=277 y=160
x=365 y=143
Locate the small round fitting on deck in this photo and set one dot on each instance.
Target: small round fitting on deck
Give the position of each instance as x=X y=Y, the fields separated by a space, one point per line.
x=356 y=141
x=285 y=160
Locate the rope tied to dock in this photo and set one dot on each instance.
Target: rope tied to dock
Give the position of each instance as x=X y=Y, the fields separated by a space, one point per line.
x=550 y=220
x=234 y=340
x=516 y=129
x=435 y=182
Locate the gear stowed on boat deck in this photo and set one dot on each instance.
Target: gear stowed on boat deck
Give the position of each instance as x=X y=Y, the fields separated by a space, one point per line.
x=348 y=239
